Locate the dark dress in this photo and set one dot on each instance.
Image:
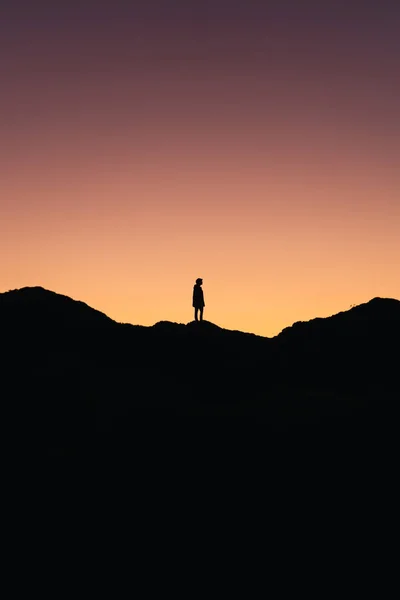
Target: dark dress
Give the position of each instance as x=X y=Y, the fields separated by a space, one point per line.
x=198 y=296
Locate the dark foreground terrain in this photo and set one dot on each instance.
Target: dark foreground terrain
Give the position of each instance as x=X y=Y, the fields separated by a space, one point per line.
x=74 y=381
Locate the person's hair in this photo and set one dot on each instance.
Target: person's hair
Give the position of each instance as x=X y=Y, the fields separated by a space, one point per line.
x=199 y=280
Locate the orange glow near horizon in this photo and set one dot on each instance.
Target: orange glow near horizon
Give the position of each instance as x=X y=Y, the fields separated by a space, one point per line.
x=276 y=182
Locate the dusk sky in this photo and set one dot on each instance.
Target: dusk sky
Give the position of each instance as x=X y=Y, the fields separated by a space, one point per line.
x=253 y=144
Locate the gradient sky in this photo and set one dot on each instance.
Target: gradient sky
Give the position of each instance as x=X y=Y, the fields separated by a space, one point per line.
x=253 y=144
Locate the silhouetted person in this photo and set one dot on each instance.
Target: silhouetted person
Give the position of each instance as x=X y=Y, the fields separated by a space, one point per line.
x=198 y=300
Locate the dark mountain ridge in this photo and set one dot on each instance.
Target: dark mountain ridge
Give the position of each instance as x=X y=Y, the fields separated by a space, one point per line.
x=376 y=312
x=33 y=304
x=77 y=373
x=36 y=306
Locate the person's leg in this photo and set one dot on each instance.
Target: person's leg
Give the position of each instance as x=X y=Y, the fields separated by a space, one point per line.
x=201 y=313
x=196 y=310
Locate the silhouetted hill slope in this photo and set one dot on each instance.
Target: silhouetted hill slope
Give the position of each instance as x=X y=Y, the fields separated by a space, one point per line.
x=37 y=307
x=73 y=372
x=358 y=345
x=377 y=315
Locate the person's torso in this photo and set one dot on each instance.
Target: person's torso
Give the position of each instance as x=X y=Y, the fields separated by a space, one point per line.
x=198 y=293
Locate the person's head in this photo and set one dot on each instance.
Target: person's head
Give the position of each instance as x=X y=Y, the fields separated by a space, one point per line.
x=199 y=281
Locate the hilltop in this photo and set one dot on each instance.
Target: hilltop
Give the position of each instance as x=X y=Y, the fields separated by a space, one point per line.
x=38 y=307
